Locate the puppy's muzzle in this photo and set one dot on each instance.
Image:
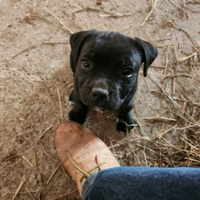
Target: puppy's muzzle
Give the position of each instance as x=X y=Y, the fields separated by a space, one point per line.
x=99 y=94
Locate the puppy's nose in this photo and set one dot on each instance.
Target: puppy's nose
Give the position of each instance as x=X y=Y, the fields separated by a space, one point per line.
x=99 y=94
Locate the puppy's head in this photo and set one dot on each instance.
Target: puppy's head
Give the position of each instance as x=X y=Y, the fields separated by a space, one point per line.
x=106 y=66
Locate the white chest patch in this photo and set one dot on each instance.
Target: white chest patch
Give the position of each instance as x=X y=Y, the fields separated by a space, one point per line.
x=98 y=109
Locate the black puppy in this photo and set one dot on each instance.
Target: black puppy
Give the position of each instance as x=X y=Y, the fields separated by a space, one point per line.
x=105 y=67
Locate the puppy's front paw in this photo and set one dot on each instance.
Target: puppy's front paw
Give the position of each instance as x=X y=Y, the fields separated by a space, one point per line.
x=123 y=127
x=77 y=116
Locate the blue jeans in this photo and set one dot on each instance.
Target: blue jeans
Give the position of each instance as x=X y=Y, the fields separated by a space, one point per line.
x=141 y=183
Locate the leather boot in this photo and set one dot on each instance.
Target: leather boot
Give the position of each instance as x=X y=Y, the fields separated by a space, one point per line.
x=81 y=152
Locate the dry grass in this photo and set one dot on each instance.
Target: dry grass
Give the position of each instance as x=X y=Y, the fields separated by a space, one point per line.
x=175 y=140
x=154 y=5
x=107 y=12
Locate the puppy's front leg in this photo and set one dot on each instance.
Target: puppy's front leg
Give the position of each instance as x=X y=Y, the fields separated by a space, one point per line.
x=78 y=113
x=71 y=99
x=126 y=116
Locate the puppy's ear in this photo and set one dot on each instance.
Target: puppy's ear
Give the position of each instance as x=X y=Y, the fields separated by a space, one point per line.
x=149 y=53
x=76 y=40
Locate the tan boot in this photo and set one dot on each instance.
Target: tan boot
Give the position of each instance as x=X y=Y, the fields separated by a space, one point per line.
x=81 y=152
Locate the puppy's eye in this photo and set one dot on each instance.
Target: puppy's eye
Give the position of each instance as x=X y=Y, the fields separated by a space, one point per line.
x=128 y=72
x=85 y=64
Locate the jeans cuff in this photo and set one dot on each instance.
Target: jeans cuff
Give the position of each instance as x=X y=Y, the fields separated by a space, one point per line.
x=87 y=184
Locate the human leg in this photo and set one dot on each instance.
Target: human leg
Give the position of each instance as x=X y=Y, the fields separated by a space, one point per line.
x=80 y=151
x=142 y=183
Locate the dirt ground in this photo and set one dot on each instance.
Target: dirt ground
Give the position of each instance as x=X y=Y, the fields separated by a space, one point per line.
x=36 y=80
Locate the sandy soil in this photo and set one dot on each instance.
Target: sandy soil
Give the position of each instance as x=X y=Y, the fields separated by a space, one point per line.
x=35 y=77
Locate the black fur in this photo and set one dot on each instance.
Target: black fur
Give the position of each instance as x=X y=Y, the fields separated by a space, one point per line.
x=105 y=67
